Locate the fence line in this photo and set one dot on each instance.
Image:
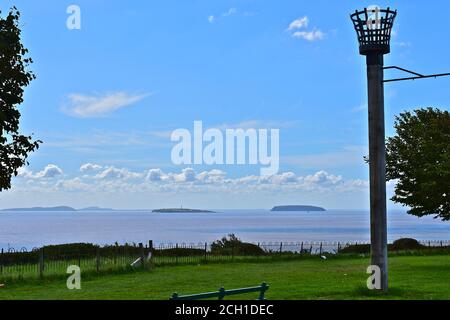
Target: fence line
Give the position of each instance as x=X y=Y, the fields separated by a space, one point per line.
x=54 y=260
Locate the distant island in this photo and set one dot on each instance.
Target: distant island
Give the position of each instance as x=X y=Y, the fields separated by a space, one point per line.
x=300 y=208
x=60 y=208
x=57 y=209
x=181 y=210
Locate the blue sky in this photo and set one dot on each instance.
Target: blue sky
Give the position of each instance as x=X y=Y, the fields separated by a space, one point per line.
x=110 y=94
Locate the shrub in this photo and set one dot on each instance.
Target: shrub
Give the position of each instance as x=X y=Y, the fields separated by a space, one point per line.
x=406 y=244
x=356 y=249
x=398 y=245
x=234 y=246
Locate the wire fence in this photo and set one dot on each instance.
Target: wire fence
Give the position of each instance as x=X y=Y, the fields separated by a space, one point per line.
x=54 y=260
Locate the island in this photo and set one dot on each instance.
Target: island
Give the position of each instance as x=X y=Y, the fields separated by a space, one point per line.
x=299 y=208
x=56 y=209
x=181 y=210
x=42 y=209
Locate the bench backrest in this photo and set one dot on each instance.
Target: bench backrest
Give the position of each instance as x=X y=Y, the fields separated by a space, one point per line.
x=222 y=293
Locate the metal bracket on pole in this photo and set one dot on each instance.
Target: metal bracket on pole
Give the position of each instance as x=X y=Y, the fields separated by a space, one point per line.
x=417 y=75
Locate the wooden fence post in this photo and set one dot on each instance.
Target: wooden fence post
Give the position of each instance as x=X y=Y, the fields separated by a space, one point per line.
x=150 y=251
x=1 y=262
x=176 y=253
x=339 y=247
x=281 y=247
x=206 y=251
x=320 y=249
x=41 y=262
x=232 y=251
x=141 y=247
x=257 y=254
x=301 y=248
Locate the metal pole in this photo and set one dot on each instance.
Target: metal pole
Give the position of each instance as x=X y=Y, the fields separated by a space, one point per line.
x=377 y=162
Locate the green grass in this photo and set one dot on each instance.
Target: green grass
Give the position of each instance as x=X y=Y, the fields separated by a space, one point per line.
x=411 y=277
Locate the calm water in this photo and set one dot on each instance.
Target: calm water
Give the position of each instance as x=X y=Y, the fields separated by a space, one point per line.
x=33 y=229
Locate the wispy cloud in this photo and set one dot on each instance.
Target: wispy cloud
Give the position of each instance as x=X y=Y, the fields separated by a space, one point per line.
x=299 y=23
x=302 y=23
x=230 y=12
x=92 y=106
x=309 y=35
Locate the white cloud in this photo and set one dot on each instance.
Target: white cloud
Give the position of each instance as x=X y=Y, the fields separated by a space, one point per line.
x=302 y=23
x=299 y=23
x=128 y=183
x=25 y=173
x=89 y=167
x=213 y=176
x=85 y=106
x=155 y=175
x=322 y=178
x=186 y=175
x=228 y=13
x=115 y=173
x=50 y=171
x=309 y=35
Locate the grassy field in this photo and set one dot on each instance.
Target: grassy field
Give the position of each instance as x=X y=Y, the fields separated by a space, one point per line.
x=411 y=277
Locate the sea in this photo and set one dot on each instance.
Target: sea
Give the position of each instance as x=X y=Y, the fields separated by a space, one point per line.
x=28 y=230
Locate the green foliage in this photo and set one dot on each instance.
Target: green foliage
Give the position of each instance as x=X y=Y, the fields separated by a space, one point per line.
x=234 y=246
x=356 y=249
x=406 y=244
x=14 y=147
x=418 y=158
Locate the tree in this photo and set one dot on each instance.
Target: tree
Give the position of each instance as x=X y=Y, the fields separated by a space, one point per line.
x=418 y=158
x=14 y=77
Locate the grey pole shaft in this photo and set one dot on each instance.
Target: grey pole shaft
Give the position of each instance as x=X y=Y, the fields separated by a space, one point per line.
x=377 y=158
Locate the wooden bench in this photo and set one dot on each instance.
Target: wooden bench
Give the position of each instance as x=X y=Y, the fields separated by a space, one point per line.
x=222 y=293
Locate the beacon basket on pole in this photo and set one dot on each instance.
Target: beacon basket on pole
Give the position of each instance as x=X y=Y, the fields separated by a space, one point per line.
x=374 y=28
